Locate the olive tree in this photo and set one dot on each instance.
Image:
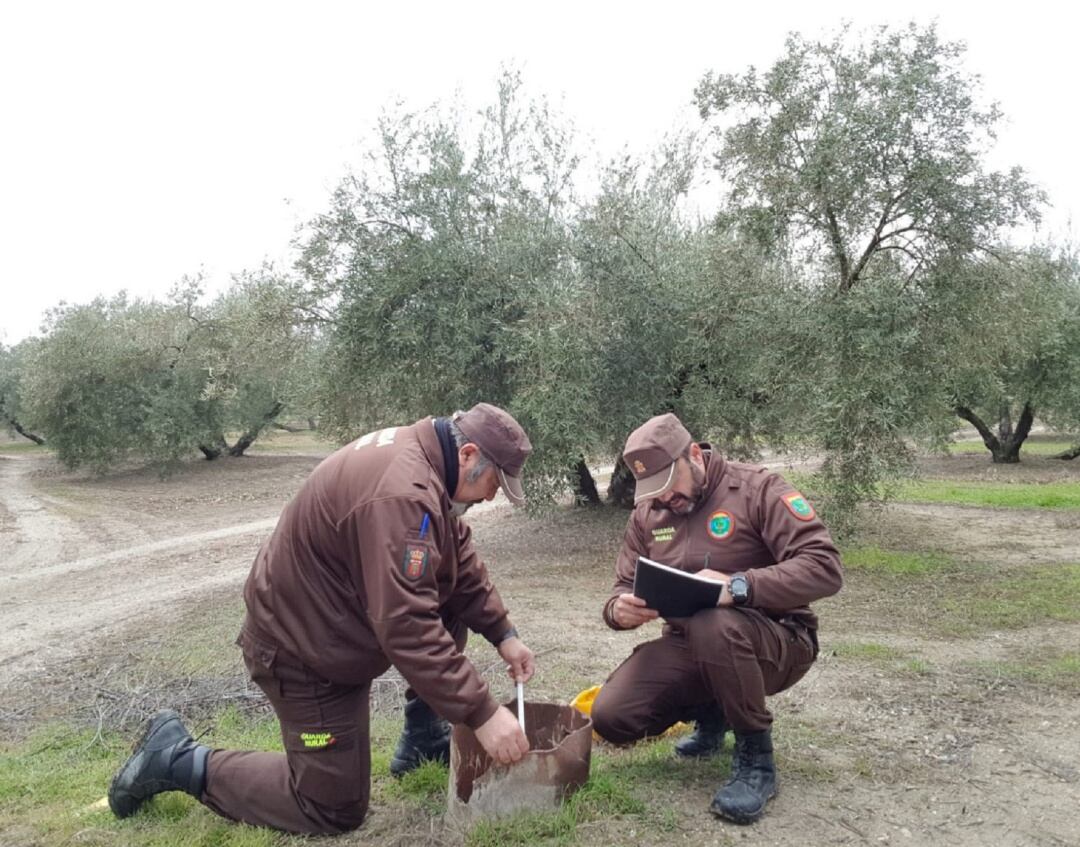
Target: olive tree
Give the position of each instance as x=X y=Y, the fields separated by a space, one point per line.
x=13 y=363
x=435 y=257
x=862 y=163
x=155 y=382
x=1018 y=336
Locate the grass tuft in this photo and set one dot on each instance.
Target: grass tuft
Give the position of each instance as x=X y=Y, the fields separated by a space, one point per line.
x=895 y=562
x=1027 y=495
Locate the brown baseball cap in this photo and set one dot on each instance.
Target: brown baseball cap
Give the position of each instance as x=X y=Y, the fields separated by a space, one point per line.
x=650 y=453
x=502 y=439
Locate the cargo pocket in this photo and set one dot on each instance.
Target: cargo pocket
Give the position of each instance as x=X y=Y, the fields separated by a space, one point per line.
x=330 y=767
x=260 y=657
x=801 y=654
x=259 y=650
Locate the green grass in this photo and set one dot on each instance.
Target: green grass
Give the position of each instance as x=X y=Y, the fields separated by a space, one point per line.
x=15 y=447
x=895 y=562
x=605 y=795
x=279 y=441
x=866 y=651
x=50 y=783
x=1060 y=671
x=427 y=785
x=1047 y=495
x=960 y=598
x=1030 y=447
x=1011 y=495
x=653 y=764
x=881 y=655
x=917 y=667
x=1016 y=599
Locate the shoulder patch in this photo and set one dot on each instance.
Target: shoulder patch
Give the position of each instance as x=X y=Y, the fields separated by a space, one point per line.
x=414 y=563
x=799 y=506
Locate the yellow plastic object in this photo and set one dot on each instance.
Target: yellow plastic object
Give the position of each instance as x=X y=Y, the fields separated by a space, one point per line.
x=584 y=702
x=679 y=728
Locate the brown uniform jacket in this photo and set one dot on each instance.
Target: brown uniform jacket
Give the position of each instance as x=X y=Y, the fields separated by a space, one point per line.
x=749 y=520
x=351 y=581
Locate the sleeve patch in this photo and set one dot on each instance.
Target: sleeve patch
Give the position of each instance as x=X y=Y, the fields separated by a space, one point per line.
x=799 y=506
x=414 y=563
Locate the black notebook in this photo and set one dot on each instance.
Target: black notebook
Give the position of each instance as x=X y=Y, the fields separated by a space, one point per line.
x=674 y=593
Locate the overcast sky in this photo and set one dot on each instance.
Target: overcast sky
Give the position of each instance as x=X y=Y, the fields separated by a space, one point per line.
x=144 y=141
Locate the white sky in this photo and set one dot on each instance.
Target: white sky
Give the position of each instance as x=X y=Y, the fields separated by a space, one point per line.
x=142 y=141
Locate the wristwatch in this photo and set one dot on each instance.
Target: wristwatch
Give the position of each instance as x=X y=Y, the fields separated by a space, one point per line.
x=739 y=586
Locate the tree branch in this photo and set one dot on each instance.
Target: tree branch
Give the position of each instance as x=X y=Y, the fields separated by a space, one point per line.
x=1027 y=418
x=838 y=247
x=637 y=252
x=15 y=425
x=988 y=437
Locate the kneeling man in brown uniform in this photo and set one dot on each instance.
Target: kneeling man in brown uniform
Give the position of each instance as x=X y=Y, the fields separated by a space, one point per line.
x=369 y=566
x=749 y=529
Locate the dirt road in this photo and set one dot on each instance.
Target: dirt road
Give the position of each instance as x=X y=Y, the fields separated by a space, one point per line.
x=74 y=571
x=81 y=558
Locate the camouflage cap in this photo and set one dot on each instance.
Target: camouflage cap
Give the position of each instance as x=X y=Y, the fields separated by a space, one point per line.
x=650 y=453
x=502 y=439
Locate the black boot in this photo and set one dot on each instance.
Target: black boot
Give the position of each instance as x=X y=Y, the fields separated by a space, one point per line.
x=425 y=737
x=165 y=758
x=753 y=779
x=707 y=738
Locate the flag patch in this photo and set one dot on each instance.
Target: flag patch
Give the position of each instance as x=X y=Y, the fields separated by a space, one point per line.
x=799 y=506
x=414 y=564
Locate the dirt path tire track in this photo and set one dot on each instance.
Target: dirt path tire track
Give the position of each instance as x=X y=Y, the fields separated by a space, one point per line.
x=30 y=531
x=54 y=603
x=61 y=614
x=1013 y=536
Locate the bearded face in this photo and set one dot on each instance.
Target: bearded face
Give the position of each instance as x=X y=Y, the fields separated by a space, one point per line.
x=685 y=495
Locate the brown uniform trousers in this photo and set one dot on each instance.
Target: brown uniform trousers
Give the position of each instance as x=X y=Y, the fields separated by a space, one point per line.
x=321 y=784
x=734 y=657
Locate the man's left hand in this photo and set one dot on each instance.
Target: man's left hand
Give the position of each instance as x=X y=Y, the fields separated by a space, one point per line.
x=519 y=659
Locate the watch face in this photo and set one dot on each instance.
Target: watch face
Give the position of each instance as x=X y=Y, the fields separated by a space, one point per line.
x=738 y=586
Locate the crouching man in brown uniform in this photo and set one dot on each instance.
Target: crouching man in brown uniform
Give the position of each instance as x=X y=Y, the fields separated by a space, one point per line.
x=749 y=529
x=368 y=567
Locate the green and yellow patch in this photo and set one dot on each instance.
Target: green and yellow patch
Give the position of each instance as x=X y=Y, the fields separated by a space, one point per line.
x=317 y=740
x=721 y=524
x=799 y=506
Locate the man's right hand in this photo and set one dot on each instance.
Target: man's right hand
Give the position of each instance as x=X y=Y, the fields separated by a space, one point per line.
x=502 y=738
x=630 y=612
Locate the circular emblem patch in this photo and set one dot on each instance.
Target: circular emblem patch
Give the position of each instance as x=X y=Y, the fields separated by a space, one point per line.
x=798 y=506
x=721 y=524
